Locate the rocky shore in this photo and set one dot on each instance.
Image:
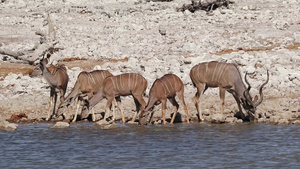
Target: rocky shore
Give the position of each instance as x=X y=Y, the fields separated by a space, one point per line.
x=153 y=39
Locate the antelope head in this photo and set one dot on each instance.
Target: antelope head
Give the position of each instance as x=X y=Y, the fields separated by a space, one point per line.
x=143 y=118
x=250 y=104
x=63 y=106
x=144 y=115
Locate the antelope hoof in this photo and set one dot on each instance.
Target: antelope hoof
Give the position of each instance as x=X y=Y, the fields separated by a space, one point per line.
x=48 y=118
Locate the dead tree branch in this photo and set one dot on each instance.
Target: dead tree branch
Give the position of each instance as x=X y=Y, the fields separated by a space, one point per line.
x=206 y=5
x=46 y=44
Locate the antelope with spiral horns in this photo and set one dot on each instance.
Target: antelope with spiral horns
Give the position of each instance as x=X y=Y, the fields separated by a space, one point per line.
x=57 y=78
x=227 y=77
x=162 y=89
x=87 y=84
x=121 y=85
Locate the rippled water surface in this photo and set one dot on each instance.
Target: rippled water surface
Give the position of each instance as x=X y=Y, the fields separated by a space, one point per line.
x=245 y=145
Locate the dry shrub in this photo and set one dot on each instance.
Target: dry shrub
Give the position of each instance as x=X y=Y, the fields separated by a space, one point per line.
x=206 y=5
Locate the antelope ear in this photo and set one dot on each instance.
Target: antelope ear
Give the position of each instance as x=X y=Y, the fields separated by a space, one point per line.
x=255 y=99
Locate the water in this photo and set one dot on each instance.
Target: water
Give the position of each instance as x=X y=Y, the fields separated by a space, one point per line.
x=246 y=145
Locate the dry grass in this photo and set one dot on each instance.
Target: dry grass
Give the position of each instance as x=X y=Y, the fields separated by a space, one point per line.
x=83 y=63
x=16 y=68
x=294 y=46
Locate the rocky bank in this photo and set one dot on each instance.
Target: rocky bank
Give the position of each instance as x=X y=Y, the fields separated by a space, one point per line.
x=153 y=38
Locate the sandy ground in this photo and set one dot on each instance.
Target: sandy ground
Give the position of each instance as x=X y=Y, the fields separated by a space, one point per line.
x=152 y=38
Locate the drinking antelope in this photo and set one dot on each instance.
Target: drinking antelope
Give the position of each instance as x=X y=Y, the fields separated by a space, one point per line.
x=87 y=84
x=162 y=89
x=227 y=77
x=58 y=79
x=122 y=85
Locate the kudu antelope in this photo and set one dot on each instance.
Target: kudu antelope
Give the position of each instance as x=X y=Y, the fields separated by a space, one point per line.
x=162 y=89
x=121 y=85
x=227 y=77
x=87 y=84
x=58 y=79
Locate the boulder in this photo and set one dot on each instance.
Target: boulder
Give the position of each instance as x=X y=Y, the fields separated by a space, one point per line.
x=217 y=118
x=230 y=120
x=239 y=121
x=7 y=126
x=274 y=119
x=296 y=122
x=103 y=124
x=286 y=115
x=61 y=125
x=132 y=123
x=283 y=122
x=261 y=120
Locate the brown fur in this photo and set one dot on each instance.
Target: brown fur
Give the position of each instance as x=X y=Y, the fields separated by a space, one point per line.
x=122 y=85
x=58 y=79
x=87 y=84
x=227 y=77
x=167 y=87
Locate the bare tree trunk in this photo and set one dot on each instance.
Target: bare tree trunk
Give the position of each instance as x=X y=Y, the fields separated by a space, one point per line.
x=47 y=42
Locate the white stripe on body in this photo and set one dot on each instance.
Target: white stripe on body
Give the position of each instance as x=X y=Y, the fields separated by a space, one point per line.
x=102 y=74
x=174 y=82
x=206 y=68
x=136 y=80
x=198 y=73
x=97 y=77
x=213 y=76
x=165 y=86
x=220 y=72
x=113 y=81
x=129 y=81
x=169 y=82
x=91 y=77
x=223 y=72
x=121 y=82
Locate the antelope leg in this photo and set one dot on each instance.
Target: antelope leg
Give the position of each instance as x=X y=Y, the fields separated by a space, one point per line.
x=77 y=109
x=174 y=115
x=200 y=90
x=174 y=103
x=222 y=97
x=50 y=107
x=108 y=104
x=150 y=119
x=163 y=109
x=122 y=114
x=181 y=97
x=137 y=105
x=93 y=115
x=114 y=110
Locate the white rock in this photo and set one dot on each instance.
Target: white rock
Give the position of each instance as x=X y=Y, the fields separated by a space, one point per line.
x=250 y=69
x=217 y=118
x=7 y=126
x=103 y=124
x=61 y=125
x=97 y=67
x=296 y=122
